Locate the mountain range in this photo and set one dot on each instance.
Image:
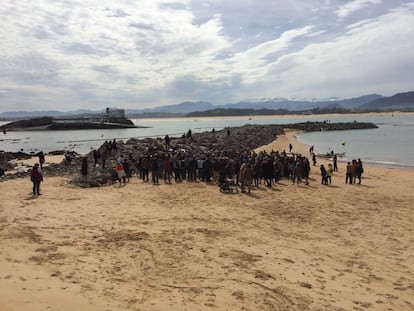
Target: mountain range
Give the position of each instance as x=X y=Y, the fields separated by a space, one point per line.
x=366 y=103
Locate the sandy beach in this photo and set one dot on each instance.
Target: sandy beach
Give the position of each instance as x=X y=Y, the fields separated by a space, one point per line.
x=186 y=246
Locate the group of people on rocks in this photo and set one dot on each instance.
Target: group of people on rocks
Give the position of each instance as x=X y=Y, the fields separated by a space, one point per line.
x=248 y=168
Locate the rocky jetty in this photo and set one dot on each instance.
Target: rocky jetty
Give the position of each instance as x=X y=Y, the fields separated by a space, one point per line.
x=226 y=142
x=111 y=119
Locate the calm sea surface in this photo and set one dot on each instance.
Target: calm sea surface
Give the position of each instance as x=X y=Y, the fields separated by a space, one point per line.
x=392 y=144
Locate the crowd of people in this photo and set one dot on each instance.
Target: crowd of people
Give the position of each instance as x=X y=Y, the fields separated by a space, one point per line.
x=246 y=169
x=354 y=171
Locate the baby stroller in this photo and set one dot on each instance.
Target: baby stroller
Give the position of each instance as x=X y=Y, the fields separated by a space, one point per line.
x=227 y=185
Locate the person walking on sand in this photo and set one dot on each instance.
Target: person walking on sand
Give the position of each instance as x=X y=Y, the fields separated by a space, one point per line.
x=36 y=177
x=290 y=148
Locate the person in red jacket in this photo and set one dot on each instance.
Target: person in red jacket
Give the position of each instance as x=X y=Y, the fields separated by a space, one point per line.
x=119 y=168
x=36 y=177
x=167 y=167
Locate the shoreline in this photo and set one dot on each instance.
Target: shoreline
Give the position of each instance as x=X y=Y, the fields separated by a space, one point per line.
x=284 y=116
x=287 y=116
x=375 y=163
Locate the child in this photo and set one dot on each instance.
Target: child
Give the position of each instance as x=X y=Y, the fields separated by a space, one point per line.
x=121 y=173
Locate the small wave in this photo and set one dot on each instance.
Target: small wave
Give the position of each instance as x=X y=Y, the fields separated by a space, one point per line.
x=396 y=124
x=390 y=164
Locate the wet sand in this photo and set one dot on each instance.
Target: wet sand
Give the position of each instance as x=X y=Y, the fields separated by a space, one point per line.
x=187 y=246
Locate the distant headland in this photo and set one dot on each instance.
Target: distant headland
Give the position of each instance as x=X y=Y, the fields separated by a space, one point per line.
x=110 y=119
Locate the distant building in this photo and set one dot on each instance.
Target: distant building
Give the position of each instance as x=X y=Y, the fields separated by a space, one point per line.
x=115 y=113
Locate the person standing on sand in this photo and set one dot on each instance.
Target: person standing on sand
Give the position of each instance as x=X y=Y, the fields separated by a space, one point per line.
x=167 y=167
x=84 y=167
x=246 y=176
x=208 y=169
x=323 y=174
x=36 y=177
x=290 y=148
x=155 y=169
x=144 y=166
x=305 y=170
x=41 y=156
x=127 y=169
x=348 y=173
x=353 y=170
x=329 y=173
x=358 y=171
x=119 y=168
x=314 y=158
x=176 y=163
x=297 y=173
x=257 y=169
x=335 y=163
x=267 y=171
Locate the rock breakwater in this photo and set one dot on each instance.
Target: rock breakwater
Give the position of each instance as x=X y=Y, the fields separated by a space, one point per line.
x=228 y=142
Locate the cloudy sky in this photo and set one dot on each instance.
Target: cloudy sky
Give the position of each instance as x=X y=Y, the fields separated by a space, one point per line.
x=71 y=54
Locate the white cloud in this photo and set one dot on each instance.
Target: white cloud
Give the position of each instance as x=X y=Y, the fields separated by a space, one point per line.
x=376 y=56
x=250 y=63
x=354 y=6
x=68 y=54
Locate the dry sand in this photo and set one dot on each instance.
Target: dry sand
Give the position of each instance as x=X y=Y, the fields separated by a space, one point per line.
x=188 y=247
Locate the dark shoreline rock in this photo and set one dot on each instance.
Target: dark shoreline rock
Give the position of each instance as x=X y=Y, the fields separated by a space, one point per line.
x=56 y=124
x=241 y=139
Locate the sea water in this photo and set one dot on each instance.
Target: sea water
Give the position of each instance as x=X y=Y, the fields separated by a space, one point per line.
x=392 y=144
